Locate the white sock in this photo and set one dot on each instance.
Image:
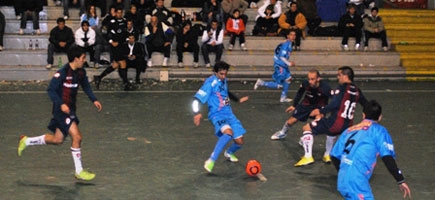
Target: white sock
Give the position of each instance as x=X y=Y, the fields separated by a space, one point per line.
x=285 y=127
x=77 y=157
x=39 y=140
x=330 y=140
x=308 y=141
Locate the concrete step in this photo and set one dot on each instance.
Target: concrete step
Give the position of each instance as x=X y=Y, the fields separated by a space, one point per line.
x=403 y=30
x=415 y=48
x=48 y=12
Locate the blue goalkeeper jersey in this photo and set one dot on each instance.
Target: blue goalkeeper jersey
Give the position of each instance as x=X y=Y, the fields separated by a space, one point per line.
x=282 y=50
x=214 y=92
x=358 y=148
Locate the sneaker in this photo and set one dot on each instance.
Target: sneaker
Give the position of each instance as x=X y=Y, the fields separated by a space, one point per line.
x=85 y=175
x=366 y=48
x=165 y=62
x=243 y=46
x=38 y=32
x=129 y=87
x=58 y=3
x=326 y=159
x=231 y=157
x=258 y=83
x=285 y=100
x=385 y=48
x=48 y=66
x=208 y=165
x=297 y=48
x=357 y=47
x=18 y=17
x=150 y=63
x=180 y=65
x=97 y=81
x=195 y=65
x=278 y=135
x=21 y=144
x=207 y=65
x=65 y=17
x=21 y=32
x=253 y=5
x=346 y=47
x=305 y=161
x=230 y=48
x=1 y=48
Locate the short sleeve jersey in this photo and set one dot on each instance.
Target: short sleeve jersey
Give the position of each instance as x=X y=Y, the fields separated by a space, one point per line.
x=313 y=96
x=282 y=50
x=214 y=92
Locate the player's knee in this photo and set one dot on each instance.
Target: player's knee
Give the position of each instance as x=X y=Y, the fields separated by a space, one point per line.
x=57 y=141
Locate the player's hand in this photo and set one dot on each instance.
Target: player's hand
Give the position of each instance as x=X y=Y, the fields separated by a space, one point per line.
x=243 y=99
x=405 y=189
x=292 y=64
x=167 y=44
x=65 y=108
x=197 y=119
x=98 y=105
x=290 y=109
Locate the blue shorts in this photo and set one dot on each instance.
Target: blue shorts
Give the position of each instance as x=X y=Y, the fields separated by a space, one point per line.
x=63 y=122
x=280 y=74
x=354 y=187
x=229 y=121
x=302 y=113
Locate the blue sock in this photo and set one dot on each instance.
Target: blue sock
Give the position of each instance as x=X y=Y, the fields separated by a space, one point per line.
x=270 y=84
x=220 y=145
x=233 y=148
x=285 y=87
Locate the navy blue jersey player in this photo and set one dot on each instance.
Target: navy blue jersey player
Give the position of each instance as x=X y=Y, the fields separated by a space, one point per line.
x=341 y=112
x=356 y=151
x=313 y=93
x=281 y=64
x=62 y=91
x=214 y=92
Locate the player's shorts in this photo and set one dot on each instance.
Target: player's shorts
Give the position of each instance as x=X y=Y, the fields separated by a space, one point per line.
x=280 y=74
x=63 y=122
x=325 y=126
x=221 y=122
x=117 y=53
x=302 y=113
x=354 y=187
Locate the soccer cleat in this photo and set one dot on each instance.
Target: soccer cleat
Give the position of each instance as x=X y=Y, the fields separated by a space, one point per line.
x=258 y=83
x=85 y=175
x=231 y=157
x=22 y=144
x=278 y=135
x=97 y=81
x=285 y=100
x=304 y=161
x=327 y=159
x=208 y=165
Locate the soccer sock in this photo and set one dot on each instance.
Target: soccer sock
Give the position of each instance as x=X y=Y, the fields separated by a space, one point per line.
x=123 y=75
x=77 y=157
x=220 y=144
x=106 y=72
x=330 y=140
x=270 y=84
x=307 y=141
x=233 y=148
x=284 y=90
x=285 y=127
x=39 y=140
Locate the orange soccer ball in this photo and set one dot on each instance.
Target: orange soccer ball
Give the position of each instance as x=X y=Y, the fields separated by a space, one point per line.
x=253 y=167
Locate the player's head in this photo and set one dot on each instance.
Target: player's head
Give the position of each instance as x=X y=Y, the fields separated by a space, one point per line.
x=76 y=55
x=291 y=35
x=372 y=110
x=314 y=78
x=221 y=69
x=345 y=74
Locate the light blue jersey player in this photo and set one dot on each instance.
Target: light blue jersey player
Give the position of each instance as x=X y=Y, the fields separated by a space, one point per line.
x=355 y=153
x=215 y=94
x=281 y=75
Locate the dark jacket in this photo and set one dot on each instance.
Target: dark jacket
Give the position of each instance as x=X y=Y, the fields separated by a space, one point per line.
x=346 y=19
x=64 y=35
x=191 y=37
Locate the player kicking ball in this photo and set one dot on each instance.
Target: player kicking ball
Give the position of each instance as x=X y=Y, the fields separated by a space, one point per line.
x=214 y=92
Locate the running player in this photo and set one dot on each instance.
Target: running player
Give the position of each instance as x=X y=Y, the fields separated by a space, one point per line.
x=355 y=153
x=281 y=75
x=314 y=93
x=341 y=109
x=215 y=93
x=62 y=91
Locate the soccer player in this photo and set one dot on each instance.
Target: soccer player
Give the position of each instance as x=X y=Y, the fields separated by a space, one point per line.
x=341 y=109
x=62 y=91
x=215 y=93
x=355 y=153
x=313 y=93
x=281 y=75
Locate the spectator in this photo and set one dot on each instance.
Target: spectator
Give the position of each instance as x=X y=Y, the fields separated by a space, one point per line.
x=374 y=27
x=228 y=7
x=309 y=9
x=253 y=3
x=103 y=36
x=102 y=4
x=293 y=20
x=18 y=6
x=123 y=4
x=61 y=38
x=91 y=16
x=31 y=8
x=66 y=6
x=2 y=29
x=131 y=29
x=212 y=41
x=187 y=40
x=236 y=28
x=143 y=7
x=212 y=10
x=267 y=18
x=359 y=6
x=158 y=37
x=85 y=39
x=136 y=56
x=350 y=25
x=161 y=12
x=134 y=16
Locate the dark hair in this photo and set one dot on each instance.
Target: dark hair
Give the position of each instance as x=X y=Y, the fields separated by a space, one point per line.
x=372 y=110
x=84 y=22
x=131 y=34
x=348 y=71
x=375 y=8
x=74 y=52
x=236 y=10
x=293 y=2
x=221 y=65
x=60 y=19
x=315 y=71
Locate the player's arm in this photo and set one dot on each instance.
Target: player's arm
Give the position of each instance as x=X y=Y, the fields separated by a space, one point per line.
x=391 y=165
x=299 y=94
x=53 y=88
x=362 y=99
x=196 y=108
x=233 y=97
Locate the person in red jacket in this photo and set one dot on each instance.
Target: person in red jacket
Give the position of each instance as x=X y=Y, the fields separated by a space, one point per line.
x=236 y=28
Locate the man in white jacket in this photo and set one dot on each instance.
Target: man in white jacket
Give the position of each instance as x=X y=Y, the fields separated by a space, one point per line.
x=85 y=39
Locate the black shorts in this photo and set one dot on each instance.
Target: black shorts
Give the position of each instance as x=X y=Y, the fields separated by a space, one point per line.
x=63 y=122
x=302 y=113
x=325 y=126
x=117 y=53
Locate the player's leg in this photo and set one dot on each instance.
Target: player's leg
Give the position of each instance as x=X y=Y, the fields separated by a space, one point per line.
x=76 y=137
x=281 y=134
x=284 y=81
x=307 y=141
x=238 y=132
x=330 y=141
